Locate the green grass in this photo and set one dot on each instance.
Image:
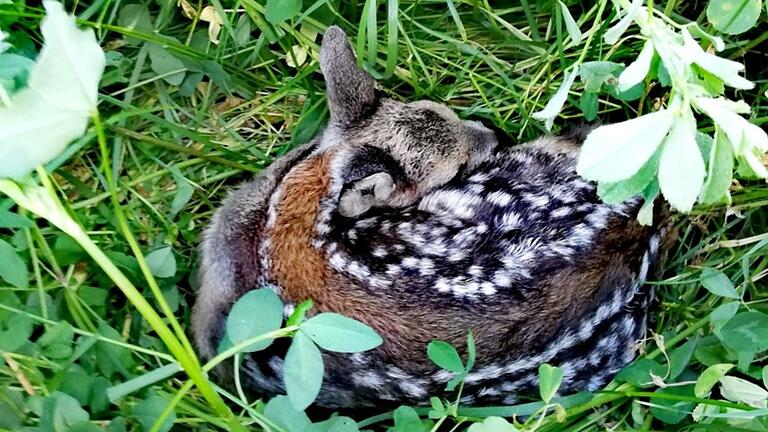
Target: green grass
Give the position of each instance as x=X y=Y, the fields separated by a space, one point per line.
x=176 y=150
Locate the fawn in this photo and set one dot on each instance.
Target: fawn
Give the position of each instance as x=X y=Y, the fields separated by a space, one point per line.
x=419 y=224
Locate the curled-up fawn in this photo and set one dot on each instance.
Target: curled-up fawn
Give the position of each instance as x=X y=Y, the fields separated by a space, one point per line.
x=417 y=223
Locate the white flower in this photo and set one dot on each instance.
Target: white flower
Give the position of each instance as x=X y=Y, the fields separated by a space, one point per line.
x=555 y=104
x=62 y=93
x=3 y=45
x=636 y=72
x=725 y=69
x=747 y=139
x=724 y=114
x=616 y=152
x=570 y=24
x=5 y=99
x=754 y=159
x=681 y=168
x=614 y=33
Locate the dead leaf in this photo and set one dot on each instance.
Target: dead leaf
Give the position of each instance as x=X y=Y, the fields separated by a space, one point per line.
x=187 y=9
x=209 y=15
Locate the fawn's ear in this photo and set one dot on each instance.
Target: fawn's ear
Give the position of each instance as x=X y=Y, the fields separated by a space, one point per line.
x=350 y=89
x=371 y=191
x=371 y=179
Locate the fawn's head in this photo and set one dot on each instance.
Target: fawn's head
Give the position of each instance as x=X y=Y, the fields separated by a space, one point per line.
x=396 y=152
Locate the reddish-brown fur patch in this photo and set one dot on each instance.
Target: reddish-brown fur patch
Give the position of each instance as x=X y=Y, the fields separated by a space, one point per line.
x=297 y=267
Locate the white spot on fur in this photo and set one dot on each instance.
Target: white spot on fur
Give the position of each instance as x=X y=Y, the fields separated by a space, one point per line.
x=338 y=262
x=499 y=198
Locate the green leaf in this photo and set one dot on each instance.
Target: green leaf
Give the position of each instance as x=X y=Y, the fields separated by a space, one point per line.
x=256 y=313
x=12 y=409
x=334 y=424
x=633 y=93
x=278 y=11
x=280 y=411
x=740 y=390
x=589 y=105
x=242 y=30
x=111 y=357
x=719 y=171
x=721 y=315
x=161 y=262
x=711 y=82
x=718 y=283
x=746 y=332
x=407 y=420
x=98 y=394
x=85 y=426
x=13 y=220
x=650 y=193
x=304 y=370
x=438 y=409
x=17 y=333
x=15 y=71
x=679 y=358
x=67 y=251
x=166 y=65
x=77 y=383
x=13 y=269
x=60 y=412
x=550 y=378
x=638 y=373
x=471 y=351
x=150 y=409
x=672 y=411
x=57 y=341
x=594 y=74
x=46 y=116
x=709 y=378
x=680 y=154
x=117 y=425
x=117 y=392
x=135 y=17
x=663 y=74
x=445 y=355
x=733 y=16
x=765 y=376
x=492 y=424
x=455 y=381
x=184 y=192
x=338 y=333
x=618 y=192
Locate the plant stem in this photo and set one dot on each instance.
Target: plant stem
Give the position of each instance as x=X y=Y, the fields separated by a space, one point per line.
x=179 y=344
x=50 y=208
x=232 y=351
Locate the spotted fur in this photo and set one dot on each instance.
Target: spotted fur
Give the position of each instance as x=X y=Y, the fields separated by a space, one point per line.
x=416 y=223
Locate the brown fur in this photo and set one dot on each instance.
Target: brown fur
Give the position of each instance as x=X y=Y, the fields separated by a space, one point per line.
x=303 y=273
x=296 y=266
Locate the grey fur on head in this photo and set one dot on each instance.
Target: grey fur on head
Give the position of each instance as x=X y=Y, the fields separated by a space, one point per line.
x=421 y=145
